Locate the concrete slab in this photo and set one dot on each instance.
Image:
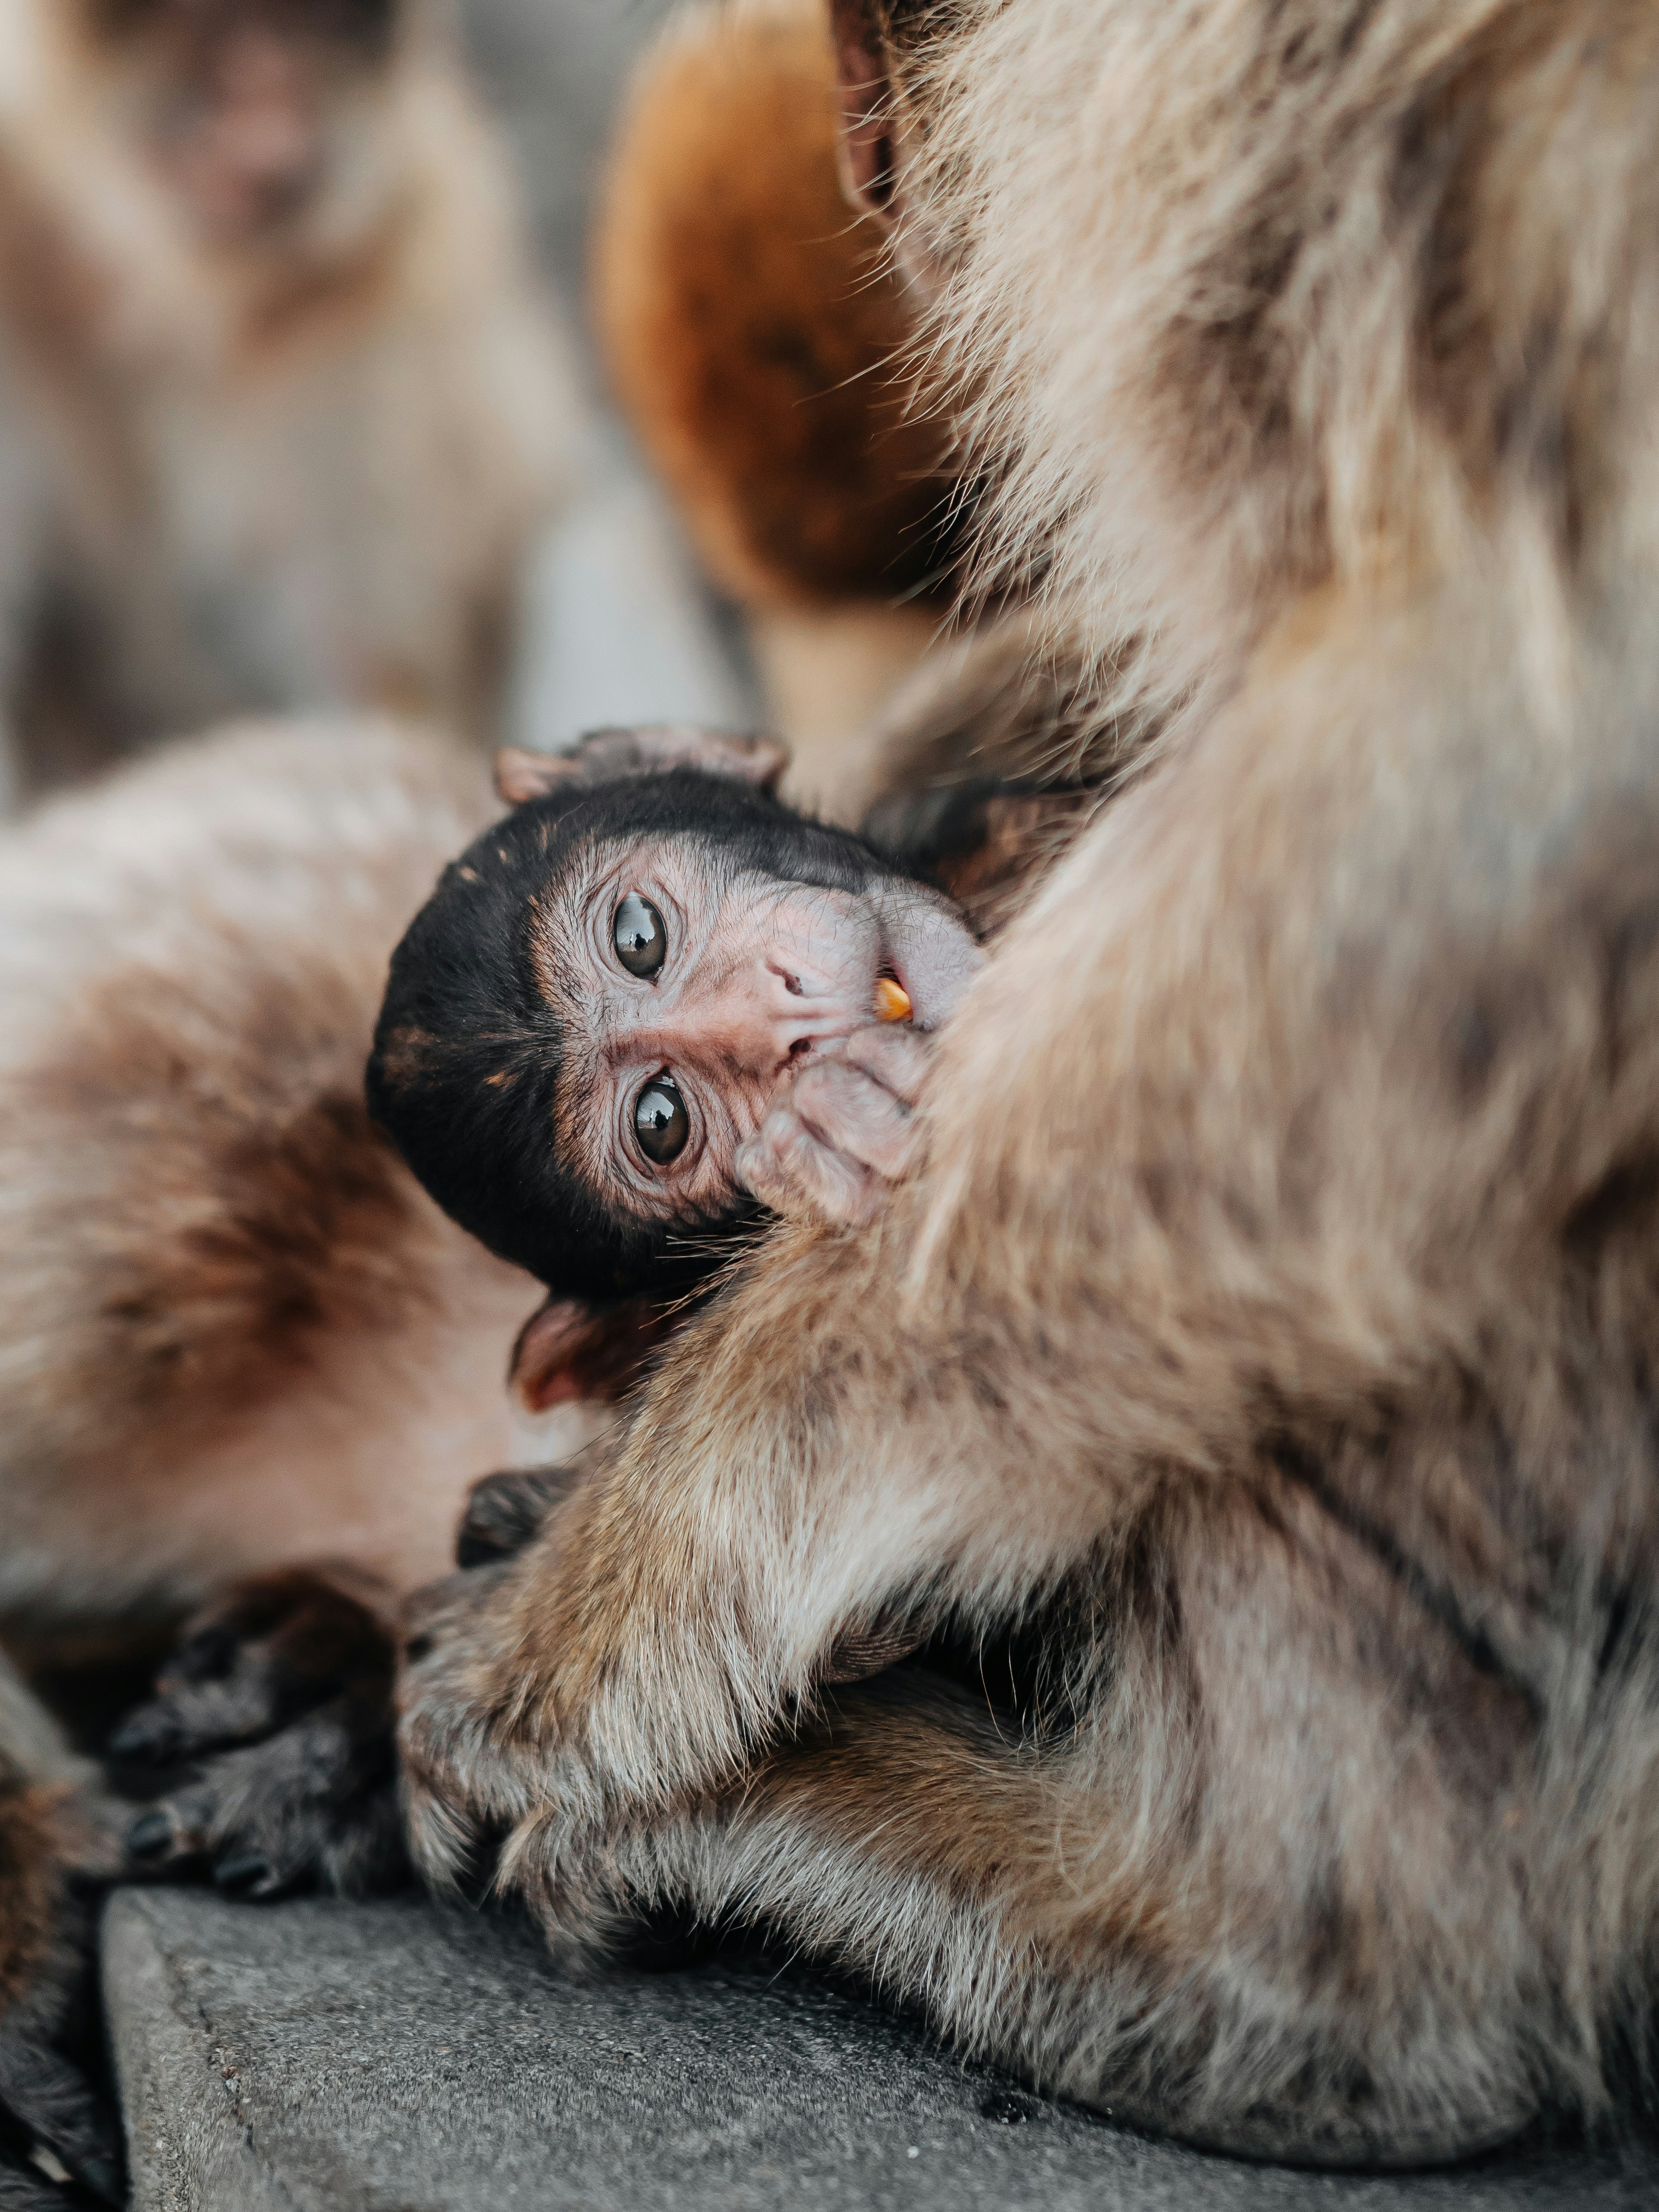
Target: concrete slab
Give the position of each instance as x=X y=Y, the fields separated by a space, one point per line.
x=317 y=2055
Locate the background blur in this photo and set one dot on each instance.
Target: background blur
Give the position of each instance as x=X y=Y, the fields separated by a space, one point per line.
x=553 y=70
x=619 y=627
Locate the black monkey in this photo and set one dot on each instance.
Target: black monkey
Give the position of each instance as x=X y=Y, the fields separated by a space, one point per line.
x=594 y=1035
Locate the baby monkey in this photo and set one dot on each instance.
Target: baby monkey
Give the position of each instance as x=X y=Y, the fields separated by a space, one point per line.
x=653 y=1000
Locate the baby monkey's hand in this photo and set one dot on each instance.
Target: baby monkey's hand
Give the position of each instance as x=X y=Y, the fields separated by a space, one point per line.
x=830 y=1149
x=645 y=749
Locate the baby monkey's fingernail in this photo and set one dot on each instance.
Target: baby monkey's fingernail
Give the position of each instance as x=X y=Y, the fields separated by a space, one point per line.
x=149 y=1836
x=892 y=1000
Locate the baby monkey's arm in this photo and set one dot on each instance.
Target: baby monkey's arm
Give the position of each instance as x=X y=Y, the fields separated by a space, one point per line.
x=833 y=1147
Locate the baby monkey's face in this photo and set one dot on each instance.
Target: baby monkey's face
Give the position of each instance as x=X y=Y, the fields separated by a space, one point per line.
x=691 y=990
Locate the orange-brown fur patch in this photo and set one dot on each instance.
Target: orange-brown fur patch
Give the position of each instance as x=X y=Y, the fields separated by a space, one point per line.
x=753 y=328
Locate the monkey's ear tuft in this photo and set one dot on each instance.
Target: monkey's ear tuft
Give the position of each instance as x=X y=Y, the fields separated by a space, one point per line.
x=568 y=1350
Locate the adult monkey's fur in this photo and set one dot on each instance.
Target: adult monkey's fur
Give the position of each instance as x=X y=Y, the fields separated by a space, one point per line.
x=236 y=1338
x=1269 y=1328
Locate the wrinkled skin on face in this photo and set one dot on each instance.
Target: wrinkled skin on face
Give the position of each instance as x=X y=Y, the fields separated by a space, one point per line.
x=244 y=108
x=753 y=991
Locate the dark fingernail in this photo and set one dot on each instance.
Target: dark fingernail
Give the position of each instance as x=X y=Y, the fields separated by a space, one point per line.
x=247 y=1870
x=133 y=1737
x=207 y=1654
x=103 y=2178
x=150 y=1836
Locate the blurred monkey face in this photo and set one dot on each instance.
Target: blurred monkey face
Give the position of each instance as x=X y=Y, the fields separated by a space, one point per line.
x=249 y=110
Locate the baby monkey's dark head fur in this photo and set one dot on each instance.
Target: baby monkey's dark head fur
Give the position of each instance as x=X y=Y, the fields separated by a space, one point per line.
x=472 y=1074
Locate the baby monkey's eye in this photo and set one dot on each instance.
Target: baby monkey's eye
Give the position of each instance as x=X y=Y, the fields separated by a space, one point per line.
x=640 y=939
x=660 y=1121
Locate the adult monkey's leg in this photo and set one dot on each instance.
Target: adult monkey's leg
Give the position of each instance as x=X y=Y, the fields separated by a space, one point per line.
x=1056 y=1863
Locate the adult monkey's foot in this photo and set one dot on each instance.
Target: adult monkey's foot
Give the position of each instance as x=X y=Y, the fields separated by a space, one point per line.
x=60 y=2141
x=281 y=1698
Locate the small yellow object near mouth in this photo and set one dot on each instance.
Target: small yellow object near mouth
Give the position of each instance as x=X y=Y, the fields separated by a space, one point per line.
x=892 y=1000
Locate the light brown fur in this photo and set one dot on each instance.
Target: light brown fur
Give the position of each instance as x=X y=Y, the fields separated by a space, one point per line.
x=1267 y=1332
x=297 y=469
x=235 y=1336
x=220 y=1284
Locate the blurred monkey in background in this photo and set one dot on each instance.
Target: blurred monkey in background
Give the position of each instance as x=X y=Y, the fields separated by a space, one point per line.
x=769 y=352
x=279 y=401
x=756 y=337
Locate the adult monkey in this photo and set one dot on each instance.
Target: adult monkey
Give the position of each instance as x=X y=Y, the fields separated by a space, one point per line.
x=1266 y=1331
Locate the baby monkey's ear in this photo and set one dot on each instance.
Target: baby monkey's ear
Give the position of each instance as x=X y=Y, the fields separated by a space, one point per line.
x=603 y=755
x=569 y=1351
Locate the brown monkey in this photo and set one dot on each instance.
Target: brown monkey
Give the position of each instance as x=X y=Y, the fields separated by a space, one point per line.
x=758 y=339
x=627 y=1013
x=1253 y=1376
x=236 y=1340
x=280 y=400
x=217 y=1280
x=1263 y=1342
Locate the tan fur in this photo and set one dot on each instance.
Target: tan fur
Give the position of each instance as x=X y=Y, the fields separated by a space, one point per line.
x=294 y=471
x=1267 y=1332
x=233 y=1333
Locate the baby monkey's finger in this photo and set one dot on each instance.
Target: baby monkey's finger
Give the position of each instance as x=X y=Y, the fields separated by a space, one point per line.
x=897 y=1055
x=854 y=1115
x=789 y=1168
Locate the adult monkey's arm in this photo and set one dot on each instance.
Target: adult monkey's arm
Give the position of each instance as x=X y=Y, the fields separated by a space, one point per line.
x=1268 y=1110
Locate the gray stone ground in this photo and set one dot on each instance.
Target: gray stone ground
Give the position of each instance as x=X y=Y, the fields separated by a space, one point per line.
x=362 y=2058
x=315 y=2055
